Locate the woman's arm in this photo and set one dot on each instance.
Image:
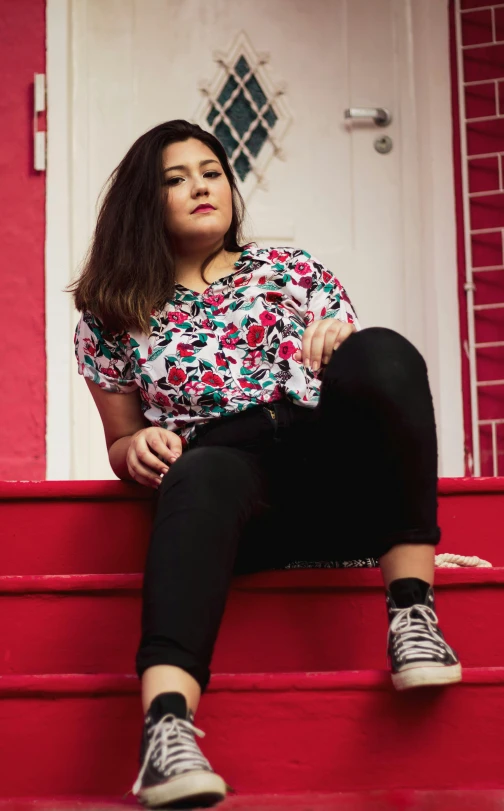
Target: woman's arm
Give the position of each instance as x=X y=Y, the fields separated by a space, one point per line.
x=121 y=415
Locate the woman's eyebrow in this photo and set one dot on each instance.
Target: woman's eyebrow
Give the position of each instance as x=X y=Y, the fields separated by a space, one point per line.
x=181 y=166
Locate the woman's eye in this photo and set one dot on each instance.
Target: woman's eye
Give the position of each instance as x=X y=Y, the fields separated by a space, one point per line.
x=173 y=181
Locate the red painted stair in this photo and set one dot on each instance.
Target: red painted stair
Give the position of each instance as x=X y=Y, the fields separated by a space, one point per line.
x=300 y=702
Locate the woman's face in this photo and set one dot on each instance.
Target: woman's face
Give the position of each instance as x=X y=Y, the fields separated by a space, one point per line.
x=193 y=176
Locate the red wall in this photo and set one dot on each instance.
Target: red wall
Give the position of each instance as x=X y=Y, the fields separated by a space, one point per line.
x=22 y=233
x=483 y=67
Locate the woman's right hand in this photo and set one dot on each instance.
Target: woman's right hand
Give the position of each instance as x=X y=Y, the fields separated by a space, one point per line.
x=143 y=464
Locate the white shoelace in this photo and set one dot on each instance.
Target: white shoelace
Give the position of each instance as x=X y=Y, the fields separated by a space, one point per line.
x=418 y=635
x=177 y=748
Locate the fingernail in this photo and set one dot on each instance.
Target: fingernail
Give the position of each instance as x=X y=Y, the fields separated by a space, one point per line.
x=315 y=366
x=164 y=470
x=306 y=362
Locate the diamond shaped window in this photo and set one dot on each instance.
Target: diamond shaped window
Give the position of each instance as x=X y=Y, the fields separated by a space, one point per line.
x=244 y=112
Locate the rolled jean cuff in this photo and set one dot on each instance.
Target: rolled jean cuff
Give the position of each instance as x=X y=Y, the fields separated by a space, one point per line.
x=412 y=536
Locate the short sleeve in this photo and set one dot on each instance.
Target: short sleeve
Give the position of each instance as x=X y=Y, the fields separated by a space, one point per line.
x=325 y=296
x=101 y=357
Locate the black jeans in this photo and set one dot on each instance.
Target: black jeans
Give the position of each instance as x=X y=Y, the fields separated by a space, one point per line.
x=350 y=478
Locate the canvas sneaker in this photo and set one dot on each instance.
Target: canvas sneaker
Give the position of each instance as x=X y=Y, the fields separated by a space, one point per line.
x=417 y=650
x=174 y=772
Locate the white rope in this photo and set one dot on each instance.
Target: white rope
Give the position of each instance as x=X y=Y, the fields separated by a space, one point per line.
x=449 y=561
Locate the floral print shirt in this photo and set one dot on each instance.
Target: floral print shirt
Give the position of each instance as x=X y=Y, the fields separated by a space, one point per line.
x=222 y=351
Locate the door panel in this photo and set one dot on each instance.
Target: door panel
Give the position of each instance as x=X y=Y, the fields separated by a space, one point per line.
x=140 y=62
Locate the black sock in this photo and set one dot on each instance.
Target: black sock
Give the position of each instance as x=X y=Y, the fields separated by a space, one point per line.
x=408 y=591
x=165 y=703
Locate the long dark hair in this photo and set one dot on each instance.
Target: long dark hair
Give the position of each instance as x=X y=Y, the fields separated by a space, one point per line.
x=129 y=269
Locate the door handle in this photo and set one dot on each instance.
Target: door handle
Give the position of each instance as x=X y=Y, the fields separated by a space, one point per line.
x=380 y=115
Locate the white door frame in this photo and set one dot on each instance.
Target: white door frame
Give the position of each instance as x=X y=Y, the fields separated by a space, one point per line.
x=428 y=170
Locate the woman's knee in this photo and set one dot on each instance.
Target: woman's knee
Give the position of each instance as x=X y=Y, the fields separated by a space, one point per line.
x=378 y=356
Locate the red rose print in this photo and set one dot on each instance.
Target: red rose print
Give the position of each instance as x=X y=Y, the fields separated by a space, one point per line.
x=326 y=276
x=302 y=268
x=252 y=360
x=229 y=342
x=195 y=387
x=262 y=280
x=214 y=300
x=185 y=350
x=141 y=361
x=90 y=348
x=245 y=383
x=110 y=371
x=286 y=350
x=267 y=319
x=323 y=311
x=220 y=359
x=211 y=379
x=255 y=335
x=306 y=282
x=207 y=324
x=231 y=328
x=176 y=318
x=176 y=376
x=309 y=317
x=162 y=399
x=272 y=295
x=277 y=256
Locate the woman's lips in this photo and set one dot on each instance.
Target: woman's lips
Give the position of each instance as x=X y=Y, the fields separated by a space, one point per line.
x=203 y=208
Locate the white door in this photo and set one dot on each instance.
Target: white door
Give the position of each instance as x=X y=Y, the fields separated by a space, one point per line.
x=310 y=178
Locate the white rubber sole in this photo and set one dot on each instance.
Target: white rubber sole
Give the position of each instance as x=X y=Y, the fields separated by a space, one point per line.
x=426 y=676
x=203 y=789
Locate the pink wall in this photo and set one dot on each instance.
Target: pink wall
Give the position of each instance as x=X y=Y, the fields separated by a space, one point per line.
x=22 y=53
x=23 y=363
x=483 y=67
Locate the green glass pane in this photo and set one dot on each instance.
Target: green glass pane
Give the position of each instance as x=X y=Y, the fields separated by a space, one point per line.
x=242 y=166
x=256 y=92
x=223 y=133
x=256 y=140
x=212 y=115
x=271 y=117
x=241 y=114
x=227 y=90
x=242 y=67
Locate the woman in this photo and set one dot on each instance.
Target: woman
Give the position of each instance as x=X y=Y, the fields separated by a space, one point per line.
x=271 y=426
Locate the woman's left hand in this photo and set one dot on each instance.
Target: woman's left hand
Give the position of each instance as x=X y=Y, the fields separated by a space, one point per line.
x=320 y=339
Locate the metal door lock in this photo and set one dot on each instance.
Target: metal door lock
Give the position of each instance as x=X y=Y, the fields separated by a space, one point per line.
x=384 y=144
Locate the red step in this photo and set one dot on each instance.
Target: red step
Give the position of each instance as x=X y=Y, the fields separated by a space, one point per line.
x=103 y=526
x=266 y=733
x=398 y=800
x=295 y=620
x=315 y=719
